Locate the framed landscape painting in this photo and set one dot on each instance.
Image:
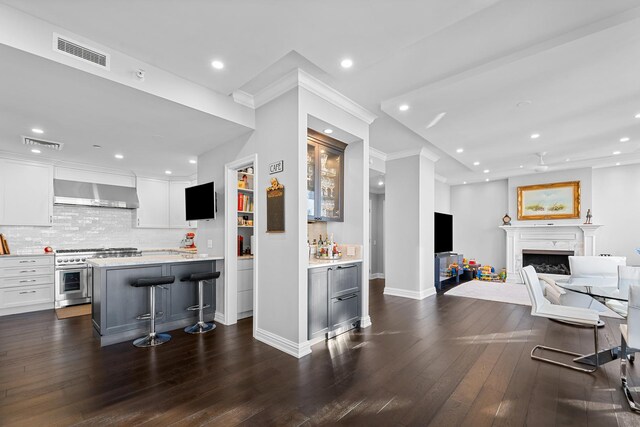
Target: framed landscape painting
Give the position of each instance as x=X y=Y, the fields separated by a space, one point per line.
x=560 y=200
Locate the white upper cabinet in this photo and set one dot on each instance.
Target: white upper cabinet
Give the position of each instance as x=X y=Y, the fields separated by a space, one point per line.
x=177 y=207
x=27 y=193
x=154 y=203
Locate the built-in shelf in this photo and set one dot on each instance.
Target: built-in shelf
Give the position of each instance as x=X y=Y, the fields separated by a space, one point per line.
x=245 y=173
x=248 y=212
x=248 y=190
x=245 y=226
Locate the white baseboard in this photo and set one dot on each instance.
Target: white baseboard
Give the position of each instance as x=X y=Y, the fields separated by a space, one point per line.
x=219 y=318
x=374 y=276
x=365 y=322
x=404 y=293
x=283 y=344
x=26 y=309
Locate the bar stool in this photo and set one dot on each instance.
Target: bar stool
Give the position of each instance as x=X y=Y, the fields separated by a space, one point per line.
x=201 y=327
x=152 y=339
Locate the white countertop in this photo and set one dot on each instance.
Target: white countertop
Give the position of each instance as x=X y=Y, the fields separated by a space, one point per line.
x=151 y=259
x=26 y=253
x=316 y=263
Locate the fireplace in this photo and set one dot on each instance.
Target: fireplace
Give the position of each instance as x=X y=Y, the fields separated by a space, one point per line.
x=547 y=261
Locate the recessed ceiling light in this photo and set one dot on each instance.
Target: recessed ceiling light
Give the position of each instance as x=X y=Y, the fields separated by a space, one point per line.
x=35 y=151
x=615 y=153
x=97 y=146
x=521 y=166
x=436 y=119
x=618 y=164
x=328 y=131
x=168 y=172
x=624 y=139
x=193 y=162
x=486 y=171
x=525 y=103
x=459 y=150
x=487 y=179
x=476 y=163
x=380 y=183
x=119 y=156
x=464 y=182
x=567 y=160
x=535 y=135
x=403 y=107
x=637 y=116
x=36 y=130
x=217 y=64
x=346 y=63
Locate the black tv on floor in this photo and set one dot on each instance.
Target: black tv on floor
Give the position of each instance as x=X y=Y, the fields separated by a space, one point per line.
x=443 y=232
x=200 y=202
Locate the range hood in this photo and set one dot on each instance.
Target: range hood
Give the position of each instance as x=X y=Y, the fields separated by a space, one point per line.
x=97 y=195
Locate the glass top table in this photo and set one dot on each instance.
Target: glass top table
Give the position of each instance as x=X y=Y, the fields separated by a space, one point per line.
x=596 y=287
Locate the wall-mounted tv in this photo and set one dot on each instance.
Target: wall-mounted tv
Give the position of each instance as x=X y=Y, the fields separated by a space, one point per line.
x=443 y=232
x=200 y=202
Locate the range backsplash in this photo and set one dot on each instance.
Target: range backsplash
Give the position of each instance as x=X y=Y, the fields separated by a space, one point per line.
x=85 y=227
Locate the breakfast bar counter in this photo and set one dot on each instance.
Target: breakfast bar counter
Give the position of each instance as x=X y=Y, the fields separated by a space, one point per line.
x=116 y=304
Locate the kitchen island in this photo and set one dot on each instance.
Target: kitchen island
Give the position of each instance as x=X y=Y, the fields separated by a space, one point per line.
x=116 y=304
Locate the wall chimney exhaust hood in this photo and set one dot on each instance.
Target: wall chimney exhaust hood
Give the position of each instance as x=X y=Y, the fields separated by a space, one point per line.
x=96 y=195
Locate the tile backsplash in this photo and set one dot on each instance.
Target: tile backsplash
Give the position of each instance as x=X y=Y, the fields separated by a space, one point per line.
x=85 y=227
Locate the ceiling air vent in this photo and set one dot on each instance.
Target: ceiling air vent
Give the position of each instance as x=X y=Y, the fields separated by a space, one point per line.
x=42 y=143
x=72 y=48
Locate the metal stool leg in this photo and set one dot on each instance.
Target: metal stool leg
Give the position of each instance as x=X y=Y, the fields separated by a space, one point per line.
x=154 y=338
x=201 y=327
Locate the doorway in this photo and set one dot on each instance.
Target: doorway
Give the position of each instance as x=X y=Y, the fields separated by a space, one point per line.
x=376 y=224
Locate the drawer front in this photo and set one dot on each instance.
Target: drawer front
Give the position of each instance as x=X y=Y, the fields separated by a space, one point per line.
x=25 y=261
x=344 y=309
x=26 y=295
x=245 y=264
x=26 y=280
x=344 y=279
x=26 y=270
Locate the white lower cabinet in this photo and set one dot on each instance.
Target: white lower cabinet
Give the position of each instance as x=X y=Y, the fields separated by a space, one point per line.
x=245 y=288
x=26 y=284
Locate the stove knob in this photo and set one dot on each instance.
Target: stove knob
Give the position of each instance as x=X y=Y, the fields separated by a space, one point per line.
x=59 y=260
x=84 y=259
x=77 y=259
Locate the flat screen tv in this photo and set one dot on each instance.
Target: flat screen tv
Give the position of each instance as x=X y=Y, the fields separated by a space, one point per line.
x=200 y=201
x=443 y=232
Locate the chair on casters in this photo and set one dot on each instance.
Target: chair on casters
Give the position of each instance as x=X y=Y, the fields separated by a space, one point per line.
x=201 y=327
x=153 y=338
x=541 y=307
x=630 y=343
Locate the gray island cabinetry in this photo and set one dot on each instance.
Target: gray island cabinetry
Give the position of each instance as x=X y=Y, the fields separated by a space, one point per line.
x=116 y=304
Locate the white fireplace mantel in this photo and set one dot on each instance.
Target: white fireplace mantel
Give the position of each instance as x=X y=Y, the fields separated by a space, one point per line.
x=579 y=238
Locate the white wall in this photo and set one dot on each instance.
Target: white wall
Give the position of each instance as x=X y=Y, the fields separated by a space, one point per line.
x=477 y=213
x=616 y=197
x=584 y=175
x=442 y=197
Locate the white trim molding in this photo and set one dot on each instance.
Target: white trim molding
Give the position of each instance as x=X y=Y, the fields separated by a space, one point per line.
x=219 y=318
x=414 y=152
x=440 y=178
x=374 y=276
x=365 y=322
x=300 y=78
x=404 y=293
x=373 y=152
x=283 y=344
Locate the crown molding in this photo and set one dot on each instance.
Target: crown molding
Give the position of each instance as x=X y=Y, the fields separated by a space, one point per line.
x=243 y=98
x=377 y=154
x=440 y=178
x=413 y=152
x=300 y=78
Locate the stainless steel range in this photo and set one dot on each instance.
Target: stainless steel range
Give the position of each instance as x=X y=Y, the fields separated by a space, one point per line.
x=72 y=272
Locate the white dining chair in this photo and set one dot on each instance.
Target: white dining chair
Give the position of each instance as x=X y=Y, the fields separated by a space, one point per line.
x=630 y=344
x=595 y=266
x=541 y=307
x=627 y=276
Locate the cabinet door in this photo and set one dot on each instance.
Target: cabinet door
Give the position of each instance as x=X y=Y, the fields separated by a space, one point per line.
x=154 y=203
x=312 y=211
x=318 y=312
x=330 y=194
x=27 y=193
x=344 y=279
x=177 y=207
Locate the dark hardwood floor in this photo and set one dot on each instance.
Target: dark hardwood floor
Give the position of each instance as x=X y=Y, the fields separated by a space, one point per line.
x=445 y=360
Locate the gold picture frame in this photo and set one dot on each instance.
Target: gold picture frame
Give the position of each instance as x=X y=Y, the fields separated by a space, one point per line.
x=559 y=200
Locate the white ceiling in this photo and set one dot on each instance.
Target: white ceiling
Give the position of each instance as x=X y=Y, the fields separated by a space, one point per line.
x=475 y=59
x=80 y=110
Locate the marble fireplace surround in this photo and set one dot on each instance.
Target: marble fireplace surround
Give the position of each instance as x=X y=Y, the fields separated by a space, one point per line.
x=579 y=238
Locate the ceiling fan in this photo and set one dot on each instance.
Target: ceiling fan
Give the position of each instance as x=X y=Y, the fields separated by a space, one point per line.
x=541 y=166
